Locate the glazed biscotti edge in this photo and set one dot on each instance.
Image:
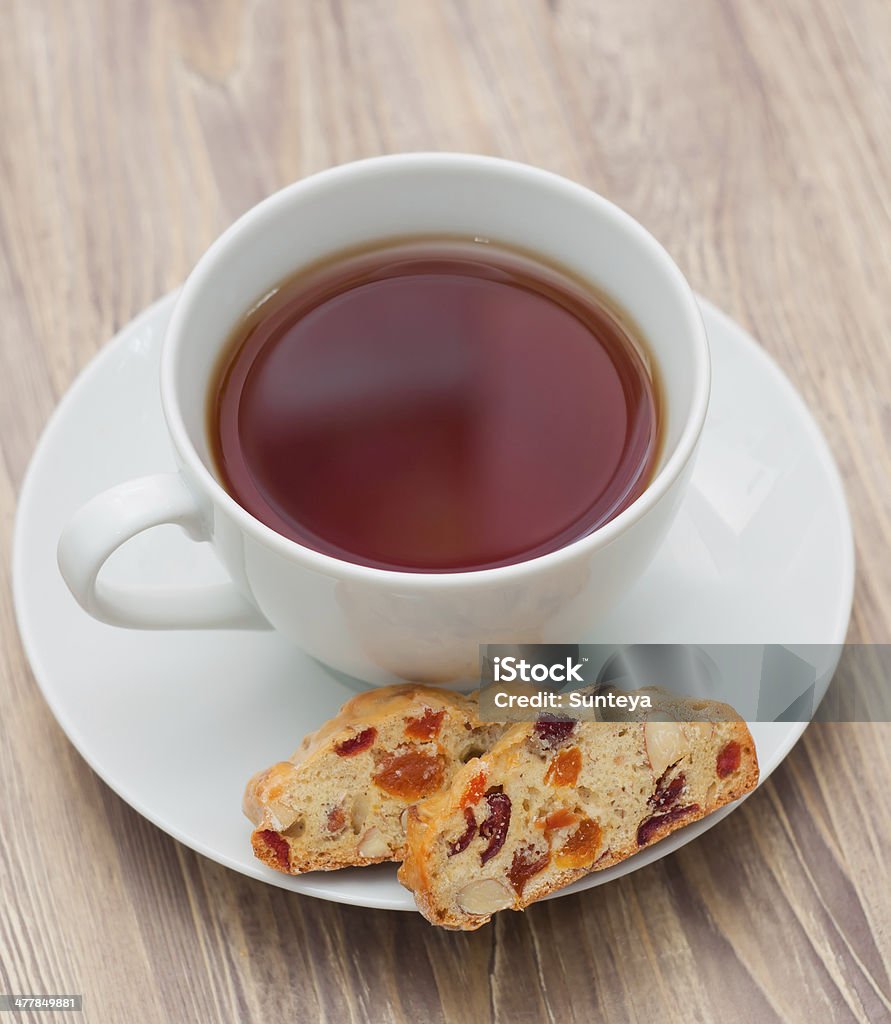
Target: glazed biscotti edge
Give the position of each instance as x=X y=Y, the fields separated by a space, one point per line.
x=339 y=800
x=552 y=801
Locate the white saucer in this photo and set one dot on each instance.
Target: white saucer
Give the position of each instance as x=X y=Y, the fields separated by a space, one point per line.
x=176 y=722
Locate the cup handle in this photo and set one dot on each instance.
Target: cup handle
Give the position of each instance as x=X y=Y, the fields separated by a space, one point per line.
x=110 y=520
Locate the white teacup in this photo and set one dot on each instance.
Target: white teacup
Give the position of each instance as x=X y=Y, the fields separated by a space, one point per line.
x=374 y=624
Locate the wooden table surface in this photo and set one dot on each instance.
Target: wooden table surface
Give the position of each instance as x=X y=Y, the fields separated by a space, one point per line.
x=754 y=139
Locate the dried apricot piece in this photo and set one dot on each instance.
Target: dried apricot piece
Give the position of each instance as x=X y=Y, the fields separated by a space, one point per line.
x=526 y=863
x=580 y=849
x=426 y=726
x=558 y=819
x=475 y=790
x=564 y=768
x=410 y=775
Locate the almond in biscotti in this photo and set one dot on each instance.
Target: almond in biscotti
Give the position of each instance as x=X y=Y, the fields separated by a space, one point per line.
x=342 y=798
x=556 y=799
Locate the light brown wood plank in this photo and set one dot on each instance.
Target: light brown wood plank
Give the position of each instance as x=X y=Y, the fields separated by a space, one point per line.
x=754 y=140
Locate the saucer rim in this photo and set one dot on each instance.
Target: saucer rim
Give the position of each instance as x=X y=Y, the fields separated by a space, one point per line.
x=312 y=885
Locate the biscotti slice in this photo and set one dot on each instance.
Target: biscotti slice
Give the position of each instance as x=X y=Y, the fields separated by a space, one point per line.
x=555 y=799
x=339 y=801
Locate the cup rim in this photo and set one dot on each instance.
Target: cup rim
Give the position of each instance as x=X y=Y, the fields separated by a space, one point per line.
x=267 y=209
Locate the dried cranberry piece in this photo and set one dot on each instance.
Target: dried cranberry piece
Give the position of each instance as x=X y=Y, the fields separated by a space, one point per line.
x=526 y=863
x=650 y=826
x=356 y=744
x=552 y=732
x=667 y=792
x=278 y=847
x=728 y=759
x=497 y=822
x=463 y=841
